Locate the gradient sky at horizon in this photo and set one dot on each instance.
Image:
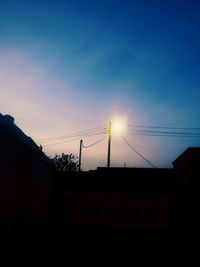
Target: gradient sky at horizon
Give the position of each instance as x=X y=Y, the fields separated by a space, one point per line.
x=66 y=66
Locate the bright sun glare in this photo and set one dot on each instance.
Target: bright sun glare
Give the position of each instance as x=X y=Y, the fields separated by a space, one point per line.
x=117 y=127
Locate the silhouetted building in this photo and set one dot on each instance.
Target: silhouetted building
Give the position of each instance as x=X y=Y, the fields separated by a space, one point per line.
x=134 y=201
x=25 y=177
x=187 y=167
x=121 y=201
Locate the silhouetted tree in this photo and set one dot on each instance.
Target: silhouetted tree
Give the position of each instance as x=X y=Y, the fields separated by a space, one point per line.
x=66 y=162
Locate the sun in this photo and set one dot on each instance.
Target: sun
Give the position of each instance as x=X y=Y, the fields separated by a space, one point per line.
x=117 y=127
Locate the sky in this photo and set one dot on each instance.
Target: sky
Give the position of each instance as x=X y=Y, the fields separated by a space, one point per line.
x=68 y=66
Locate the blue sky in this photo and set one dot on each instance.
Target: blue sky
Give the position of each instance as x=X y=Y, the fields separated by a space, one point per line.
x=72 y=65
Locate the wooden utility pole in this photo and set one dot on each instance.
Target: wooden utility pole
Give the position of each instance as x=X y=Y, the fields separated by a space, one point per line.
x=80 y=154
x=109 y=143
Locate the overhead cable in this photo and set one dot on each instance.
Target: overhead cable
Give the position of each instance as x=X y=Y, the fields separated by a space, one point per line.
x=165 y=134
x=74 y=134
x=164 y=127
x=94 y=143
x=72 y=140
x=138 y=153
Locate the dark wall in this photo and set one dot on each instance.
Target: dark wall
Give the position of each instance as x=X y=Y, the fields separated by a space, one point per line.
x=25 y=184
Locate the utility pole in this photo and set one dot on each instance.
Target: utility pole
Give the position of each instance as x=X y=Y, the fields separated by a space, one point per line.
x=80 y=154
x=109 y=142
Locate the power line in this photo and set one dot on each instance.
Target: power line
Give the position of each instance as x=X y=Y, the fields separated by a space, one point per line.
x=103 y=130
x=162 y=134
x=73 y=140
x=103 y=127
x=138 y=152
x=62 y=142
x=94 y=143
x=78 y=135
x=81 y=133
x=165 y=127
x=165 y=132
